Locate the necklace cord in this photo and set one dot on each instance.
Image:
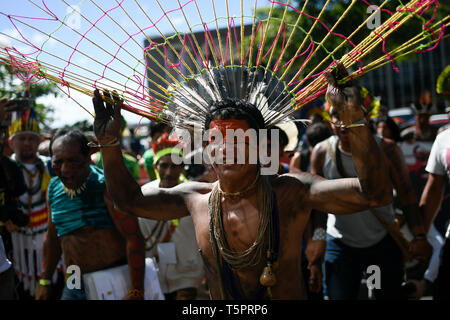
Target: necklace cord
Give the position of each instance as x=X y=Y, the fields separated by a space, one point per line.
x=262 y=245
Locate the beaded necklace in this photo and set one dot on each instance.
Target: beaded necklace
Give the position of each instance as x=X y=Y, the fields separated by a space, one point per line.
x=72 y=193
x=265 y=241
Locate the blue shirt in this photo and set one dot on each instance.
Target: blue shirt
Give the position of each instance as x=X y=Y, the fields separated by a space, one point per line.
x=85 y=209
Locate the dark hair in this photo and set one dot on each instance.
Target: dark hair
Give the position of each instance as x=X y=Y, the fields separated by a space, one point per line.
x=315 y=117
x=73 y=134
x=395 y=130
x=317 y=132
x=283 y=138
x=236 y=109
x=333 y=112
x=156 y=127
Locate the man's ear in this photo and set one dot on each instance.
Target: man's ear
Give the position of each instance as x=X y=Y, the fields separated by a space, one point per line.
x=10 y=142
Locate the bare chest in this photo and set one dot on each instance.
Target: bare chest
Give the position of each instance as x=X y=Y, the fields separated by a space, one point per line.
x=239 y=219
x=93 y=249
x=240 y=224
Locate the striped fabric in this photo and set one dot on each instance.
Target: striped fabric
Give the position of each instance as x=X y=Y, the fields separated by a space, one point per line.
x=28 y=241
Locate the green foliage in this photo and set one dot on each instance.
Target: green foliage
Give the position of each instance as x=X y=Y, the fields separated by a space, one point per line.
x=443 y=83
x=11 y=87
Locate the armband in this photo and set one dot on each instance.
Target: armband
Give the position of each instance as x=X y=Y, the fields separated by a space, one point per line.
x=320 y=234
x=359 y=123
x=111 y=144
x=138 y=293
x=45 y=282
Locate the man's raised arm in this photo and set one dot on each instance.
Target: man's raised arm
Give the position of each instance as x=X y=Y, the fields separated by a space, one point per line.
x=126 y=193
x=373 y=187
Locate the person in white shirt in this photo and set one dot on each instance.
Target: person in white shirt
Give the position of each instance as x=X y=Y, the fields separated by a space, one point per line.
x=438 y=167
x=173 y=243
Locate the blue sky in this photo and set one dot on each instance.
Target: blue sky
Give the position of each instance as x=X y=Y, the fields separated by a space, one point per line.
x=80 y=15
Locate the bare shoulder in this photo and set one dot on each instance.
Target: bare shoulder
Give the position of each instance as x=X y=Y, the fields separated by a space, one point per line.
x=298 y=180
x=168 y=203
x=188 y=192
x=292 y=190
x=321 y=148
x=295 y=185
x=391 y=150
x=318 y=156
x=187 y=188
x=388 y=145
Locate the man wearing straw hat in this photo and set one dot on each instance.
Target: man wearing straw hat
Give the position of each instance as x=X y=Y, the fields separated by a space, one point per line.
x=249 y=226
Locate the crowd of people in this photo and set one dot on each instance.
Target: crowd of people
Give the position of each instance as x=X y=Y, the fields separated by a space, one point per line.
x=377 y=196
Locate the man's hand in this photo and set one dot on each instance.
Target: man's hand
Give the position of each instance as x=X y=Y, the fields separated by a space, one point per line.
x=135 y=294
x=420 y=249
x=108 y=121
x=315 y=252
x=11 y=227
x=342 y=97
x=315 y=278
x=44 y=293
x=421 y=286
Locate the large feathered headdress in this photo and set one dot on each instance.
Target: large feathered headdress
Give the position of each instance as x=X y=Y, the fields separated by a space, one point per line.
x=198 y=52
x=24 y=121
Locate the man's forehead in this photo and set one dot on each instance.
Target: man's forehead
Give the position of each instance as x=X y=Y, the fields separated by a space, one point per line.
x=167 y=159
x=66 y=146
x=26 y=136
x=234 y=124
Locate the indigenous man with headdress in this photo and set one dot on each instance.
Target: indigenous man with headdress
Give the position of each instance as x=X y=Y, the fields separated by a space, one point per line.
x=172 y=242
x=249 y=226
x=24 y=137
x=422 y=130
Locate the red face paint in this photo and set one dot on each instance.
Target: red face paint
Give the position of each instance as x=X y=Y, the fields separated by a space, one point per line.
x=223 y=125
